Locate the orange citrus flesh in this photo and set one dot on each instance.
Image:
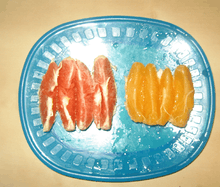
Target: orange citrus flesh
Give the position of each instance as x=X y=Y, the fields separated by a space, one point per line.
x=184 y=96
x=155 y=98
x=133 y=88
x=150 y=91
x=166 y=96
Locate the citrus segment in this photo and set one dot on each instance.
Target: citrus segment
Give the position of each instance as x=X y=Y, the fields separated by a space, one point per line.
x=47 y=96
x=75 y=94
x=166 y=96
x=105 y=93
x=85 y=91
x=133 y=87
x=67 y=93
x=97 y=105
x=184 y=96
x=150 y=91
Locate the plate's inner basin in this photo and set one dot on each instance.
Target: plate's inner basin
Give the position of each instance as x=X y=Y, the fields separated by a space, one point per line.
x=128 y=146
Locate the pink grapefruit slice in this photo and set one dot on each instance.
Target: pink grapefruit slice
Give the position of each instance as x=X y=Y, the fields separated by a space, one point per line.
x=85 y=94
x=105 y=93
x=75 y=94
x=47 y=96
x=66 y=94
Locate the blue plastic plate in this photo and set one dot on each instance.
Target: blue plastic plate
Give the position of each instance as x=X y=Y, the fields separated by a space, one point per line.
x=129 y=151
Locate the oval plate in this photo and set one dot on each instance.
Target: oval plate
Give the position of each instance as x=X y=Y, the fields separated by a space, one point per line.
x=129 y=151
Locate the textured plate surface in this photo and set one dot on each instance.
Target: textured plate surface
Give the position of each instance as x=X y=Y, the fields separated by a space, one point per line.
x=129 y=151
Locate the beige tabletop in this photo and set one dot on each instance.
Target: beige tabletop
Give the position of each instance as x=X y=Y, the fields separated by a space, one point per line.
x=22 y=23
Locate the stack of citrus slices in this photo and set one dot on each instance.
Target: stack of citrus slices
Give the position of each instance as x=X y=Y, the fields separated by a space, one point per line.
x=156 y=97
x=78 y=96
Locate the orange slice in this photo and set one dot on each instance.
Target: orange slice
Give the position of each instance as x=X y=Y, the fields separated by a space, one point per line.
x=184 y=96
x=166 y=96
x=133 y=88
x=150 y=92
